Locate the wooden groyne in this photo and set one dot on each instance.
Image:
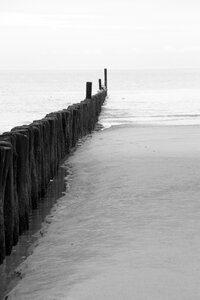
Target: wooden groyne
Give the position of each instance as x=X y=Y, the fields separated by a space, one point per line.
x=30 y=156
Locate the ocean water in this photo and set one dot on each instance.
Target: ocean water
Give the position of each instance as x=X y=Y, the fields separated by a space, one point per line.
x=135 y=96
x=160 y=97
x=28 y=96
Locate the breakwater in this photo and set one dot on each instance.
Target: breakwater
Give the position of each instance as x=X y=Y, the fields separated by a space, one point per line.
x=29 y=158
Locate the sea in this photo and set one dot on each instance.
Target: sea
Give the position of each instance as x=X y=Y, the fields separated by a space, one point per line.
x=161 y=97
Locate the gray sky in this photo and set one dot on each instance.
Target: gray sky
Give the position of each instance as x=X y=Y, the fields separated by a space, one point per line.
x=91 y=34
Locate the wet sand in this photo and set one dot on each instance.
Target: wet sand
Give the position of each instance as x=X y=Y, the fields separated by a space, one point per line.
x=128 y=228
x=27 y=241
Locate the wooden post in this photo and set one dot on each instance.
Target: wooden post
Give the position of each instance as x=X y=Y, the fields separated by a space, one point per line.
x=105 y=79
x=100 y=86
x=88 y=90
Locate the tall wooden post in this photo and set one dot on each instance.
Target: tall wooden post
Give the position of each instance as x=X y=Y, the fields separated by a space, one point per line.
x=100 y=85
x=88 y=90
x=105 y=79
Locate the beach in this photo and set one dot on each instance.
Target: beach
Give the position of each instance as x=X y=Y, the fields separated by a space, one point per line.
x=100 y=150
x=128 y=226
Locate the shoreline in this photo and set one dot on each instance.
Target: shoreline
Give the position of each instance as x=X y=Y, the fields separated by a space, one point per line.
x=147 y=125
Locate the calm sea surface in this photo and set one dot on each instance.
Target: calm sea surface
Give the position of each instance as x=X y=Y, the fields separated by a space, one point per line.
x=137 y=96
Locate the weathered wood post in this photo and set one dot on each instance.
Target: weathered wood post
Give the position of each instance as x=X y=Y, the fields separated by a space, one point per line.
x=2 y=188
x=6 y=200
x=105 y=79
x=88 y=90
x=100 y=85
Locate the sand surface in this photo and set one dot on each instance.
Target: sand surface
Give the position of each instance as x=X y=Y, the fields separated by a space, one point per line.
x=129 y=225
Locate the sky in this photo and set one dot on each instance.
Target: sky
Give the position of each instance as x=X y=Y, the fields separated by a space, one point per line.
x=91 y=34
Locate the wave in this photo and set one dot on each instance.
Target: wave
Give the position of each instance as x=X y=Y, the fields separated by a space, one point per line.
x=170 y=116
